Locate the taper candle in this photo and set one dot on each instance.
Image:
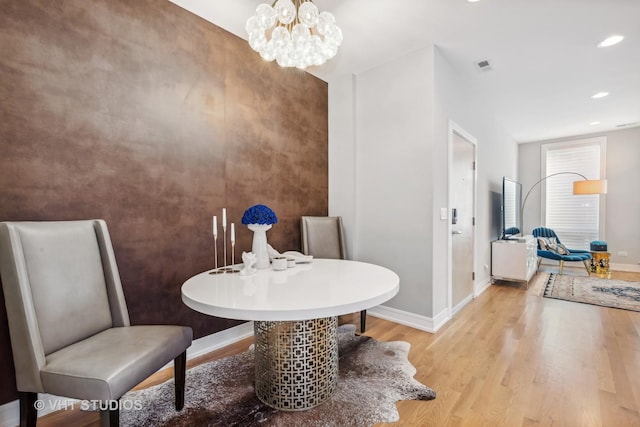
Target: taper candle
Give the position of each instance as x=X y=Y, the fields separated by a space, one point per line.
x=215 y=226
x=233 y=233
x=224 y=218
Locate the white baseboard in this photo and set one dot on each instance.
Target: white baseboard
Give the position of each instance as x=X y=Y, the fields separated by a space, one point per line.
x=631 y=268
x=480 y=287
x=440 y=319
x=461 y=304
x=412 y=320
x=212 y=342
x=10 y=412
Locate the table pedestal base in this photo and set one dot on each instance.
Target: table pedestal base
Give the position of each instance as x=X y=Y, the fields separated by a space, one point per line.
x=296 y=362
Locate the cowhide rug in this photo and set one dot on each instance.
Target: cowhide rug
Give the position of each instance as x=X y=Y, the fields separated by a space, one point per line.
x=373 y=376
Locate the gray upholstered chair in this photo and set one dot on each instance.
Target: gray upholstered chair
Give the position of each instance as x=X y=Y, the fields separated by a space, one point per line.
x=323 y=237
x=68 y=320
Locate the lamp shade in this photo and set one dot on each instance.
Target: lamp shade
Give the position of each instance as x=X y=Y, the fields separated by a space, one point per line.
x=590 y=186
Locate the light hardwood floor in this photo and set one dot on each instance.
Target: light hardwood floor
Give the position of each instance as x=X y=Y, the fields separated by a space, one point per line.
x=509 y=358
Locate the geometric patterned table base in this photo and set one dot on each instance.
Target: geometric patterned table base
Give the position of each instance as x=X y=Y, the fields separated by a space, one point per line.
x=296 y=362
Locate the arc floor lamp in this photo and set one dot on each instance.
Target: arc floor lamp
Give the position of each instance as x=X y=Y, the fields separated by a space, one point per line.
x=583 y=186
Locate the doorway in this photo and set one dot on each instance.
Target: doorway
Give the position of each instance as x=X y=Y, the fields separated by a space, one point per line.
x=462 y=208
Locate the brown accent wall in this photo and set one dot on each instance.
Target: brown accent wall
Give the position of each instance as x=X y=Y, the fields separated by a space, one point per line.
x=145 y=115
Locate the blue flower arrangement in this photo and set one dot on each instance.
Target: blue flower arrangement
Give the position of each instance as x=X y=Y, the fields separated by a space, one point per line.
x=259 y=214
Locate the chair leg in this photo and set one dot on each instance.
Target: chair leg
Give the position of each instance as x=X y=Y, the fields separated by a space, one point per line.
x=363 y=320
x=28 y=411
x=110 y=417
x=180 y=370
x=561 y=266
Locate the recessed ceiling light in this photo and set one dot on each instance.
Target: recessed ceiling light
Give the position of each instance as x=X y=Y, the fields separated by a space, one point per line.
x=594 y=123
x=473 y=1
x=600 y=95
x=610 y=41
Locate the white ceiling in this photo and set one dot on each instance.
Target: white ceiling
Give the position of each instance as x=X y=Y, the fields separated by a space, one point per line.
x=545 y=61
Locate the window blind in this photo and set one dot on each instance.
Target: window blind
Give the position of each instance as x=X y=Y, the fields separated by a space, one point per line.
x=574 y=218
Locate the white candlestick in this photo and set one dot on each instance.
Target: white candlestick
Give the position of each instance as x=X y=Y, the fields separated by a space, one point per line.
x=224 y=236
x=215 y=226
x=224 y=218
x=233 y=248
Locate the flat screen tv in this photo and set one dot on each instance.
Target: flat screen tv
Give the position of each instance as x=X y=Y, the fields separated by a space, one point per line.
x=511 y=201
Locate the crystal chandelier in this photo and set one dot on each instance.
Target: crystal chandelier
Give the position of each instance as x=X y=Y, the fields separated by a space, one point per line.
x=294 y=33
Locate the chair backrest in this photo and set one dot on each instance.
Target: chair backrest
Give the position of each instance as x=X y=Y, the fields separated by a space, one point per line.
x=323 y=236
x=544 y=232
x=61 y=285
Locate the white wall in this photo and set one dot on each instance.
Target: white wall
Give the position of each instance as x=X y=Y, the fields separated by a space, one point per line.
x=458 y=100
x=529 y=172
x=382 y=116
x=396 y=126
x=342 y=156
x=622 y=202
x=622 y=221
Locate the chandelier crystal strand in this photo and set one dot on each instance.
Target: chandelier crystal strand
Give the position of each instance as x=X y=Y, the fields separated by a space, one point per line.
x=294 y=33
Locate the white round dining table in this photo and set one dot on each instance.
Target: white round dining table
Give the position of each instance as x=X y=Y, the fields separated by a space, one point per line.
x=295 y=320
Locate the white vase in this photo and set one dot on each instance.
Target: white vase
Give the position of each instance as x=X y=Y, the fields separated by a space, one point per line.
x=259 y=245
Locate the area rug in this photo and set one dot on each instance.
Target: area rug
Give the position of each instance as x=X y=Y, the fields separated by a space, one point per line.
x=593 y=290
x=373 y=376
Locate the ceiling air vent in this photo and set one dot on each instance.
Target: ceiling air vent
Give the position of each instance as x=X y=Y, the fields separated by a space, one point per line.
x=483 y=65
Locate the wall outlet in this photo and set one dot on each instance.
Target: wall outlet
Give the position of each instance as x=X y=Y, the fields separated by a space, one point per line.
x=623 y=253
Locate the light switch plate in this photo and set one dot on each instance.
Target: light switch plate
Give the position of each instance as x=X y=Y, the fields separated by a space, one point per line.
x=443 y=213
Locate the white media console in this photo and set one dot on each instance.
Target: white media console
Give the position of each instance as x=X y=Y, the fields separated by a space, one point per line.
x=514 y=260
